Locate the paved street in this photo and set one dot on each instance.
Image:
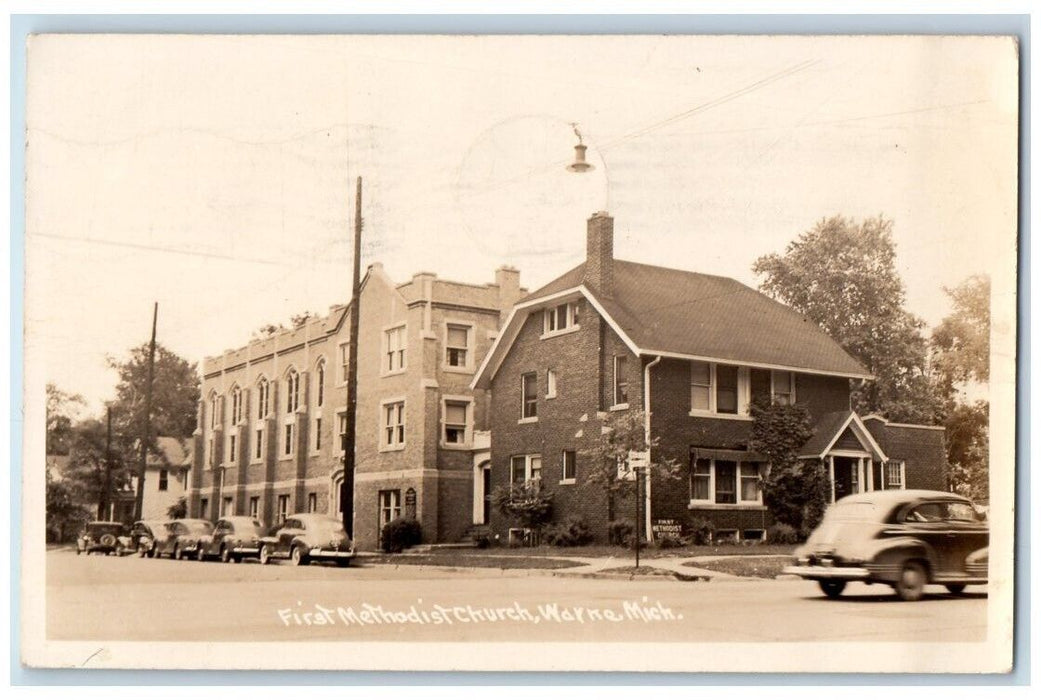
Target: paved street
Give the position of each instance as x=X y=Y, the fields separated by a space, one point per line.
x=99 y=597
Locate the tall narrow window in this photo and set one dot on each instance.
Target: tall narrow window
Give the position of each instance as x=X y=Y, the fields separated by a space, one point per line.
x=457 y=345
x=894 y=475
x=395 y=352
x=288 y=443
x=455 y=422
x=254 y=506
x=319 y=384
x=292 y=391
x=236 y=406
x=726 y=389
x=759 y=381
x=232 y=448
x=226 y=506
x=312 y=502
x=551 y=384
x=342 y=432
x=318 y=433
x=530 y=395
x=258 y=443
x=700 y=480
x=204 y=508
x=164 y=480
x=214 y=411
x=394 y=424
x=749 y=482
x=263 y=394
x=726 y=482
x=784 y=388
x=344 y=360
x=283 y=509
x=567 y=461
x=621 y=381
x=700 y=386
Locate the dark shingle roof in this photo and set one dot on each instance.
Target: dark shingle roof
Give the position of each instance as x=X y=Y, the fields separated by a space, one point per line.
x=690 y=313
x=824 y=432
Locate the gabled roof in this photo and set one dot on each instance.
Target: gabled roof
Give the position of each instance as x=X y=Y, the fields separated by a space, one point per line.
x=677 y=313
x=830 y=427
x=175 y=453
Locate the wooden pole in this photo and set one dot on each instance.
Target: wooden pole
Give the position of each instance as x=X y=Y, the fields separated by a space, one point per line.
x=147 y=426
x=351 y=415
x=106 y=493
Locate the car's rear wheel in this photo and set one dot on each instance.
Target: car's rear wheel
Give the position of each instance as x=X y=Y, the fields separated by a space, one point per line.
x=911 y=584
x=200 y=553
x=832 y=588
x=265 y=555
x=955 y=588
x=298 y=556
x=225 y=554
x=176 y=555
x=151 y=552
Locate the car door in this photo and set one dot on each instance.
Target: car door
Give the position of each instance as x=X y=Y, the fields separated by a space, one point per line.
x=965 y=534
x=173 y=530
x=927 y=521
x=220 y=533
x=286 y=535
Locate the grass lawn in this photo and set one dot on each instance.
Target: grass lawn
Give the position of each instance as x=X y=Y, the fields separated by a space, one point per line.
x=652 y=552
x=643 y=571
x=758 y=567
x=469 y=558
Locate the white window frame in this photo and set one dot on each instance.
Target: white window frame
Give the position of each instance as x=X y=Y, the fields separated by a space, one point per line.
x=233 y=439
x=227 y=506
x=400 y=429
x=468 y=365
x=564 y=478
x=529 y=471
x=257 y=451
x=236 y=405
x=550 y=317
x=254 y=507
x=341 y=429
x=524 y=403
x=319 y=383
x=282 y=510
x=316 y=430
x=312 y=502
x=292 y=390
x=468 y=425
x=343 y=359
x=791 y=385
x=617 y=405
x=738 y=500
x=287 y=451
x=214 y=410
x=263 y=398
x=387 y=355
x=551 y=384
x=903 y=474
x=391 y=510
x=163 y=481
x=744 y=392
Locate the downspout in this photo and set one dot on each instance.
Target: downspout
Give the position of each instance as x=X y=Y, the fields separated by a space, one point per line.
x=647 y=437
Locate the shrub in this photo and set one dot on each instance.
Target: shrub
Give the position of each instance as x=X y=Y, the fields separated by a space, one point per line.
x=669 y=542
x=701 y=531
x=573 y=532
x=620 y=531
x=400 y=534
x=782 y=533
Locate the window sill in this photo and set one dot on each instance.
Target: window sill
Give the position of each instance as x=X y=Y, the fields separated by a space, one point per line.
x=566 y=482
x=392 y=448
x=456 y=369
x=723 y=416
x=706 y=505
x=456 y=446
x=551 y=396
x=533 y=419
x=285 y=458
x=566 y=331
x=394 y=373
x=619 y=407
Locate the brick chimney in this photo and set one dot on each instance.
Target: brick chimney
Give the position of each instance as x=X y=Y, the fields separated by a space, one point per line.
x=600 y=253
x=507 y=279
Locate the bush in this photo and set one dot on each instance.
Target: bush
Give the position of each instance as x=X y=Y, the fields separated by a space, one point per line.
x=573 y=532
x=400 y=534
x=782 y=533
x=620 y=531
x=669 y=542
x=701 y=531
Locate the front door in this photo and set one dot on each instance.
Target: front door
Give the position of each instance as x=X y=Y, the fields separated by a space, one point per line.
x=486 y=500
x=845 y=476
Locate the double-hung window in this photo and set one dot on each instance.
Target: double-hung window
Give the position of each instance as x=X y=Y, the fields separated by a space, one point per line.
x=526 y=469
x=283 y=508
x=724 y=482
x=394 y=352
x=236 y=406
x=394 y=424
x=621 y=381
x=567 y=463
x=344 y=356
x=292 y=391
x=456 y=422
x=560 y=318
x=529 y=396
x=457 y=345
x=700 y=386
x=164 y=480
x=701 y=480
x=287 y=434
x=894 y=475
x=726 y=389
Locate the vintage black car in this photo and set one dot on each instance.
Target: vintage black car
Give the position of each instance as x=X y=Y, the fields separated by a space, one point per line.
x=904 y=539
x=148 y=536
x=103 y=536
x=184 y=537
x=234 y=538
x=307 y=537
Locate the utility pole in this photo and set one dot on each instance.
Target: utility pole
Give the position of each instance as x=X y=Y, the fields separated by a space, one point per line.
x=351 y=416
x=107 y=492
x=637 y=472
x=147 y=427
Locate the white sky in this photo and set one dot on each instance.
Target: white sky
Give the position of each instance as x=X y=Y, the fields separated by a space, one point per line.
x=215 y=175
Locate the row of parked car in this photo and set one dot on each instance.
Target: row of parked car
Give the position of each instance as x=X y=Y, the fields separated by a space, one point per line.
x=301 y=538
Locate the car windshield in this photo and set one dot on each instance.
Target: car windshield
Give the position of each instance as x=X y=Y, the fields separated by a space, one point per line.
x=854 y=511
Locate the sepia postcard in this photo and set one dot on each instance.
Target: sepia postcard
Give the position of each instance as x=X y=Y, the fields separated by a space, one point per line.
x=534 y=353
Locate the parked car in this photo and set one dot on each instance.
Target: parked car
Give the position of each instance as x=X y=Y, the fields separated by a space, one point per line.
x=103 y=536
x=184 y=537
x=146 y=536
x=904 y=539
x=307 y=537
x=233 y=539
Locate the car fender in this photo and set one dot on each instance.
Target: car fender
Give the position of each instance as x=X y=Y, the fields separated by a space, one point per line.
x=300 y=541
x=976 y=563
x=889 y=556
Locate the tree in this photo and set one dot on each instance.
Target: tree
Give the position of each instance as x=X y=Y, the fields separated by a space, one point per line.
x=62 y=410
x=178 y=510
x=842 y=275
x=175 y=394
x=961 y=343
x=795 y=491
x=62 y=509
x=968 y=446
x=621 y=434
x=86 y=475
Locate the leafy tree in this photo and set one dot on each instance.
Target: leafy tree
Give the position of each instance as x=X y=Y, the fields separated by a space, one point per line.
x=85 y=475
x=622 y=433
x=961 y=343
x=526 y=504
x=175 y=394
x=968 y=447
x=794 y=490
x=64 y=513
x=269 y=330
x=842 y=275
x=178 y=510
x=62 y=410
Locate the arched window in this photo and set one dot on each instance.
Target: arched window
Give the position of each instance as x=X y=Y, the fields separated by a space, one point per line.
x=263 y=394
x=214 y=410
x=292 y=390
x=319 y=384
x=236 y=405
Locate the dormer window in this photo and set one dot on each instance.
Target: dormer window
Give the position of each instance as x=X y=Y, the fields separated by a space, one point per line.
x=560 y=318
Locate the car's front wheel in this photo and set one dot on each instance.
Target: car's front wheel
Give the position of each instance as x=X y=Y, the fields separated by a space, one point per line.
x=298 y=556
x=200 y=553
x=955 y=588
x=832 y=588
x=225 y=554
x=911 y=584
x=176 y=555
x=265 y=555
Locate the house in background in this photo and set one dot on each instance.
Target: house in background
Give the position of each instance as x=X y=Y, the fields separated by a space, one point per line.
x=692 y=350
x=272 y=414
x=167 y=477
